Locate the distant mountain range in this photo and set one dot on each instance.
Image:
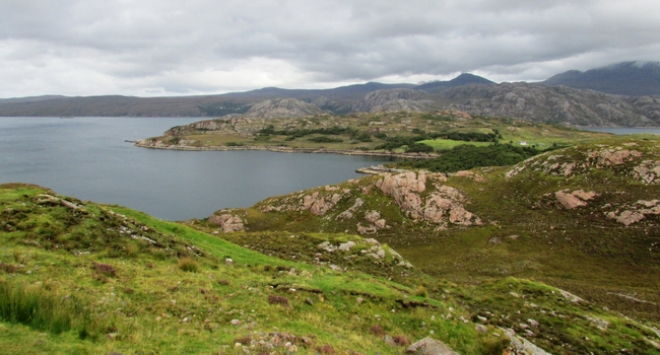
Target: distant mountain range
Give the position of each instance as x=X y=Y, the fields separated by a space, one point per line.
x=627 y=78
x=617 y=95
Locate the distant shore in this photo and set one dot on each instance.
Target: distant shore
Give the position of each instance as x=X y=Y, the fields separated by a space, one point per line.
x=143 y=144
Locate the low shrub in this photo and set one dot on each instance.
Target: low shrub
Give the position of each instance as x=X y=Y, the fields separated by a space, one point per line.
x=281 y=300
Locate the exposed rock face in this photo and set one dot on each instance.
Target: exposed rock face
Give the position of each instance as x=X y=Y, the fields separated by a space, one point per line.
x=571 y=200
x=540 y=103
x=430 y=346
x=282 y=108
x=227 y=222
x=635 y=212
x=317 y=203
x=440 y=207
x=394 y=100
x=648 y=171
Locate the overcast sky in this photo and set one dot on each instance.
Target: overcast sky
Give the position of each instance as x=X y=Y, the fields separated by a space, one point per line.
x=168 y=47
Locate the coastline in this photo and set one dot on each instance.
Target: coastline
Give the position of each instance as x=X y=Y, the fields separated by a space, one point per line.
x=141 y=144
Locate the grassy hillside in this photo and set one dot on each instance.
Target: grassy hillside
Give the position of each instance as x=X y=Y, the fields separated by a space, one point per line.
x=81 y=278
x=585 y=219
x=561 y=250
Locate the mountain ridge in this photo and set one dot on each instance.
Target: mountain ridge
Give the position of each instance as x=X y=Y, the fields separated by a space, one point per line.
x=553 y=100
x=626 y=78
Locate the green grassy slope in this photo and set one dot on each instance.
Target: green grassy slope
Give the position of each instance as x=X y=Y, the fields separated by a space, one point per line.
x=81 y=278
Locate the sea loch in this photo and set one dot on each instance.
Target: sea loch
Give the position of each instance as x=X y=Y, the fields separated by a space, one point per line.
x=88 y=158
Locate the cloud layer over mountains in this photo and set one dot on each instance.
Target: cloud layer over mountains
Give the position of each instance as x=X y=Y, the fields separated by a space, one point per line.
x=166 y=47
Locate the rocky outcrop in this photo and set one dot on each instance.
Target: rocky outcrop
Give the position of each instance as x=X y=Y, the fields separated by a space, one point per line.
x=648 y=171
x=229 y=223
x=394 y=100
x=370 y=248
x=282 y=108
x=635 y=212
x=630 y=159
x=540 y=103
x=522 y=346
x=443 y=206
x=471 y=175
x=430 y=346
x=348 y=214
x=318 y=203
x=571 y=200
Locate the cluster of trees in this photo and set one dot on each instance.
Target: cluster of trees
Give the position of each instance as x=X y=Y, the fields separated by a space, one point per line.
x=391 y=143
x=332 y=131
x=464 y=157
x=299 y=133
x=324 y=139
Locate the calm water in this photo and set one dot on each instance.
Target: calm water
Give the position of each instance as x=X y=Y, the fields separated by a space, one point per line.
x=88 y=158
x=623 y=130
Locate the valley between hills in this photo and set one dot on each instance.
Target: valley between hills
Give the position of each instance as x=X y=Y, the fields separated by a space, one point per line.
x=501 y=236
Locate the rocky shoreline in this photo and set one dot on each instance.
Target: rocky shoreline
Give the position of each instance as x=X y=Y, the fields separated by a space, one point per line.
x=144 y=144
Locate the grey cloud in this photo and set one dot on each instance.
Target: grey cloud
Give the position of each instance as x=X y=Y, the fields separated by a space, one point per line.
x=163 y=44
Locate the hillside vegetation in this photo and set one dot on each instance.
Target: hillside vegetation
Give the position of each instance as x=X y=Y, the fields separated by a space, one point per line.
x=369 y=133
x=584 y=218
x=510 y=238
x=82 y=278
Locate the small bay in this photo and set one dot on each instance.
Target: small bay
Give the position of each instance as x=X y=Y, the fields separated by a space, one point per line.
x=88 y=158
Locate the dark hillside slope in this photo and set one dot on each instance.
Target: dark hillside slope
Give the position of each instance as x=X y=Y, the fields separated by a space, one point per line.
x=541 y=103
x=461 y=80
x=627 y=78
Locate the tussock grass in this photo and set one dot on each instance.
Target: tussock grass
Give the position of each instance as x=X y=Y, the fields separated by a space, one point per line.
x=188 y=265
x=45 y=310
